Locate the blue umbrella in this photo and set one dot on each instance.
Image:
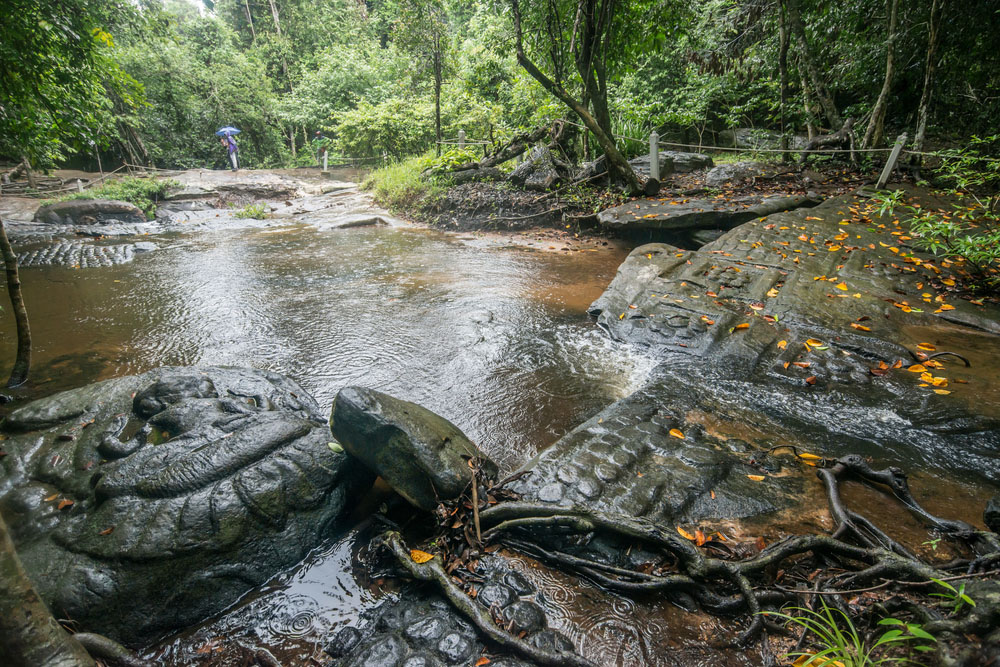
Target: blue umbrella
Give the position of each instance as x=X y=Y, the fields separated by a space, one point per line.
x=226 y=130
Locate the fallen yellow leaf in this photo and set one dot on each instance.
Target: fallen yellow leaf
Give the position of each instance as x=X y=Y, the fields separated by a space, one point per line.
x=782 y=344
x=419 y=556
x=756 y=478
x=941 y=391
x=686 y=535
x=926 y=346
x=814 y=342
x=677 y=433
x=917 y=368
x=842 y=286
x=811 y=457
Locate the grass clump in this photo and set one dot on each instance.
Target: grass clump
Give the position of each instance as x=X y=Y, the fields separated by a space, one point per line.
x=401 y=186
x=256 y=211
x=143 y=192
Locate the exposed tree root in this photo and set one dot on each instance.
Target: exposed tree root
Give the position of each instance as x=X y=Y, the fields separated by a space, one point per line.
x=859 y=557
x=433 y=571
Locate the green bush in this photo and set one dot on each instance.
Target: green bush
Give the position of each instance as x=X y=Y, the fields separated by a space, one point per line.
x=256 y=211
x=400 y=186
x=143 y=192
x=969 y=234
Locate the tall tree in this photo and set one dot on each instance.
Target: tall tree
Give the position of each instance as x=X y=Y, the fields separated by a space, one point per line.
x=930 y=66
x=873 y=135
x=597 y=39
x=808 y=61
x=422 y=29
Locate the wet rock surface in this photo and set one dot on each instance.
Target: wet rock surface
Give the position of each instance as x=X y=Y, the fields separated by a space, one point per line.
x=142 y=504
x=421 y=455
x=727 y=174
x=90 y=212
x=82 y=254
x=423 y=628
x=779 y=322
x=678 y=214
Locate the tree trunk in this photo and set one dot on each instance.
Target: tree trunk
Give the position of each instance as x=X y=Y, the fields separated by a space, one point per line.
x=876 y=126
x=253 y=33
x=806 y=58
x=291 y=140
x=933 y=29
x=23 y=361
x=29 y=635
x=438 y=76
x=32 y=183
x=811 y=130
x=618 y=167
x=783 y=77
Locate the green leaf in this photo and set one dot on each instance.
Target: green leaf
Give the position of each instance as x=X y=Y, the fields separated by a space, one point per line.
x=335 y=447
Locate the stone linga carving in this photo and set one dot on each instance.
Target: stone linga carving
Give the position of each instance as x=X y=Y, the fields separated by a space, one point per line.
x=143 y=504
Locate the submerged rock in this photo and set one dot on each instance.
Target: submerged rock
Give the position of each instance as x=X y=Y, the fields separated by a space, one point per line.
x=421 y=455
x=425 y=630
x=143 y=504
x=90 y=212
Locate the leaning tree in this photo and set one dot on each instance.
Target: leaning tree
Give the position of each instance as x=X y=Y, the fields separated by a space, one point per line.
x=576 y=48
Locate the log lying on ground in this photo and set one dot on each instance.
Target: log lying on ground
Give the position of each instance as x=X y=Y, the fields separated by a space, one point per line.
x=842 y=139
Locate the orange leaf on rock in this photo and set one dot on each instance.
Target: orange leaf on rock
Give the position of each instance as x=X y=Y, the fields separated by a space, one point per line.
x=107 y=531
x=917 y=368
x=419 y=556
x=756 y=478
x=677 y=433
x=814 y=342
x=482 y=661
x=941 y=391
x=52 y=497
x=811 y=379
x=686 y=535
x=926 y=346
x=741 y=326
x=782 y=344
x=64 y=503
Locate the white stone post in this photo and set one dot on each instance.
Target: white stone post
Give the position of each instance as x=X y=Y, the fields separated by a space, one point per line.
x=326 y=157
x=654 y=156
x=461 y=140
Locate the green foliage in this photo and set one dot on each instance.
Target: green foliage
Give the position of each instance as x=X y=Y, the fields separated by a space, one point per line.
x=143 y=192
x=970 y=232
x=839 y=641
x=955 y=597
x=401 y=187
x=60 y=76
x=450 y=159
x=256 y=211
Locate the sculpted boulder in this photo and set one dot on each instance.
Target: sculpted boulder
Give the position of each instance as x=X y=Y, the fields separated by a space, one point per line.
x=421 y=455
x=90 y=212
x=143 y=504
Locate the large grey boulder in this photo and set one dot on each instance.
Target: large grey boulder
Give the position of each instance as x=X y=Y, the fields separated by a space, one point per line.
x=756 y=138
x=685 y=162
x=641 y=164
x=90 y=212
x=734 y=174
x=421 y=455
x=143 y=504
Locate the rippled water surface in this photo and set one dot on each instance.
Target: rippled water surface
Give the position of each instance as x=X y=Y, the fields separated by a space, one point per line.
x=495 y=338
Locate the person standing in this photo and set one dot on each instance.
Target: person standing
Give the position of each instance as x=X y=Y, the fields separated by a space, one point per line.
x=321 y=145
x=230 y=143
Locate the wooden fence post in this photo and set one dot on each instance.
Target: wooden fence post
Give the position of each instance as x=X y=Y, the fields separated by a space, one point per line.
x=891 y=162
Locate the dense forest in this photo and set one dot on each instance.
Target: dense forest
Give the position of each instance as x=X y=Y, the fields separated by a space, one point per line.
x=149 y=82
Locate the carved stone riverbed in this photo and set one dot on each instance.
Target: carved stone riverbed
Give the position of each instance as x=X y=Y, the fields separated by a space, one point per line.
x=775 y=334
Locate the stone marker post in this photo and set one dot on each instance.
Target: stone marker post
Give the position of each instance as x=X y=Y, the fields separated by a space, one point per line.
x=461 y=140
x=654 y=156
x=891 y=162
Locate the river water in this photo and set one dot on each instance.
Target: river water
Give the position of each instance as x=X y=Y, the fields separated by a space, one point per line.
x=493 y=336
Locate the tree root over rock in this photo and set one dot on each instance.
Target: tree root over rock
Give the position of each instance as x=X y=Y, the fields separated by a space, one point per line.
x=858 y=557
